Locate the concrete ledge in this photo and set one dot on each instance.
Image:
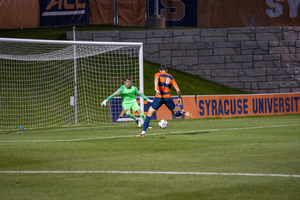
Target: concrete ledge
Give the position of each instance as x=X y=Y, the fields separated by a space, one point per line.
x=156 y=22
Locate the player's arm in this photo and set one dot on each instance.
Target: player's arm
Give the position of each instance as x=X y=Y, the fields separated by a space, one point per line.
x=119 y=91
x=156 y=85
x=179 y=94
x=139 y=93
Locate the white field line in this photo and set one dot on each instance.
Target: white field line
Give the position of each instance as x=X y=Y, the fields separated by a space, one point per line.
x=128 y=136
x=147 y=172
x=66 y=129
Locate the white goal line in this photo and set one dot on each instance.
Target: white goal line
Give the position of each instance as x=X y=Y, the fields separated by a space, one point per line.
x=148 y=172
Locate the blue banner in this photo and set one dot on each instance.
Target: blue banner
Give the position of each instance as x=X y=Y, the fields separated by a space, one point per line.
x=177 y=13
x=118 y=114
x=64 y=12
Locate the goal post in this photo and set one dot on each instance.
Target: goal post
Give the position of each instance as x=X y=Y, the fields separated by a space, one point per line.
x=49 y=83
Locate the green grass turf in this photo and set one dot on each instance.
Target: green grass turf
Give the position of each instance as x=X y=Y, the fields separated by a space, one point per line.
x=254 y=145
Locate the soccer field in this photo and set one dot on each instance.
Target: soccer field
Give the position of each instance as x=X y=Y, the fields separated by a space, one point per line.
x=223 y=158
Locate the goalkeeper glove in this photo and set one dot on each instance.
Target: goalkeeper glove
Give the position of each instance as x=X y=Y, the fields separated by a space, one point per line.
x=150 y=100
x=104 y=103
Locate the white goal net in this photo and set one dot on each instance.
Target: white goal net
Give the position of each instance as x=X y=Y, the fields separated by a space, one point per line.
x=46 y=83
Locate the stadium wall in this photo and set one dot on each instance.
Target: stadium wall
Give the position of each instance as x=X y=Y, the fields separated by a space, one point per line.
x=252 y=59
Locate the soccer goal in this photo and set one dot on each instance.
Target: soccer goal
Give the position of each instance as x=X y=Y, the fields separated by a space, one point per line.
x=47 y=83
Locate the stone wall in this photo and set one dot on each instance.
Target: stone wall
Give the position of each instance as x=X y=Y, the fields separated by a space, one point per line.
x=256 y=60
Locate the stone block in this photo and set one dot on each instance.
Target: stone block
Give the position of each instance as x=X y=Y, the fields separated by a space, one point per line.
x=163 y=53
x=212 y=32
x=283 y=78
x=190 y=61
x=168 y=46
x=241 y=30
x=177 y=61
x=235 y=85
x=274 y=43
x=213 y=39
x=84 y=35
x=285 y=90
x=225 y=72
x=133 y=34
x=263 y=45
x=280 y=71
x=287 y=43
x=225 y=79
x=226 y=44
x=181 y=67
x=199 y=72
x=163 y=60
x=241 y=58
x=268 y=85
x=178 y=53
x=282 y=50
x=211 y=66
x=211 y=59
x=205 y=52
x=290 y=84
x=252 y=79
x=226 y=51
x=275 y=57
x=151 y=48
x=249 y=45
x=266 y=64
x=167 y=40
x=252 y=72
x=196 y=45
x=290 y=35
x=268 y=29
x=268 y=36
x=184 y=39
x=290 y=57
x=192 y=53
x=179 y=32
x=193 y=32
x=160 y=33
x=154 y=40
x=241 y=37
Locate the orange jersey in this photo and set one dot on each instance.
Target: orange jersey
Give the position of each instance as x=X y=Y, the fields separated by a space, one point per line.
x=165 y=83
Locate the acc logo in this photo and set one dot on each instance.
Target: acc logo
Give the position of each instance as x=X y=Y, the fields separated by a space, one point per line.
x=62 y=7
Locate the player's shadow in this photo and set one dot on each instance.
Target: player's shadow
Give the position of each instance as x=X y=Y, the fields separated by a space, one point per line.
x=188 y=133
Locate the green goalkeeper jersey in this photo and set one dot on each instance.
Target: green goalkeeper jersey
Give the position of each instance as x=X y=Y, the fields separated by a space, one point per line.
x=127 y=95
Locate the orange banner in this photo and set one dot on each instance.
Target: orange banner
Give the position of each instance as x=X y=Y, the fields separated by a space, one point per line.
x=248 y=105
x=19 y=14
x=188 y=103
x=101 y=12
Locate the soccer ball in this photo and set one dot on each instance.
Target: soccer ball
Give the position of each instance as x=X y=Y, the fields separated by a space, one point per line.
x=163 y=123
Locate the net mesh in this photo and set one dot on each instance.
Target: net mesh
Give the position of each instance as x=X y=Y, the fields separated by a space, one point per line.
x=37 y=81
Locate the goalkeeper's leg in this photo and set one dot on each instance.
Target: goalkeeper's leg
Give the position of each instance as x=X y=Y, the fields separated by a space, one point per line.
x=129 y=114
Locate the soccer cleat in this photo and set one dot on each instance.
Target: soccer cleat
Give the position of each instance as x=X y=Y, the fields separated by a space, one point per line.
x=140 y=135
x=138 y=123
x=186 y=113
x=150 y=126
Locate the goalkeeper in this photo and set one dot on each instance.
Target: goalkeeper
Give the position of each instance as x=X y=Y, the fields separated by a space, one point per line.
x=127 y=92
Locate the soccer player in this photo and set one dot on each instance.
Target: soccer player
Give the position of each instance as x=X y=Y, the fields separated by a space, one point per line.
x=127 y=92
x=163 y=83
